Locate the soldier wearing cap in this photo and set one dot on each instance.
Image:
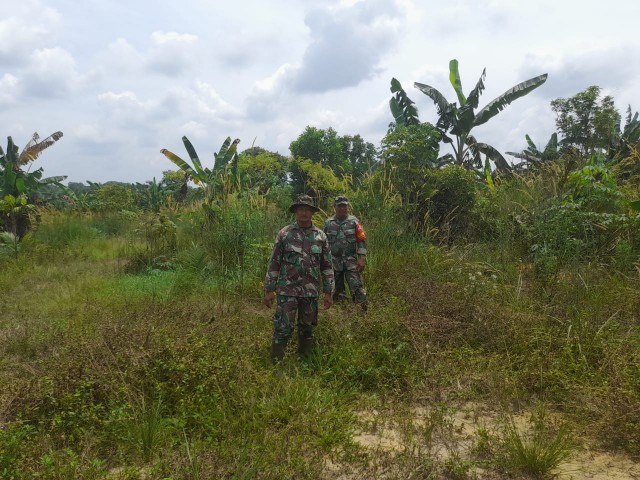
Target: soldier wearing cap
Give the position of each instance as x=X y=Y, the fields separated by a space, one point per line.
x=349 y=250
x=299 y=270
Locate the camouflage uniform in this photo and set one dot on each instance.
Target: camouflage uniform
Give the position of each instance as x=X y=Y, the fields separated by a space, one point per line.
x=348 y=242
x=299 y=270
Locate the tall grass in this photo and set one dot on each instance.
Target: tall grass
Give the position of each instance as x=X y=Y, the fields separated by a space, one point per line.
x=471 y=322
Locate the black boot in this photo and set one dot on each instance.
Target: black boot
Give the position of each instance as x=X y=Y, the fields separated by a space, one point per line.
x=277 y=351
x=305 y=347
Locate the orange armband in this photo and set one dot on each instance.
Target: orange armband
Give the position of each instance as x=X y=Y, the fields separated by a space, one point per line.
x=360 y=235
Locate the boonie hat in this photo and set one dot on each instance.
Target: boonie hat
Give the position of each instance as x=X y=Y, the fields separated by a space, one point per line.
x=305 y=200
x=341 y=200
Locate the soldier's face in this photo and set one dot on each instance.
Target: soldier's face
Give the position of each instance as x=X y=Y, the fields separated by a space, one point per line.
x=303 y=215
x=341 y=211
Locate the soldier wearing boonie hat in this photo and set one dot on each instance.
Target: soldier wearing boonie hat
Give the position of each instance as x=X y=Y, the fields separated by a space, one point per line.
x=300 y=268
x=349 y=251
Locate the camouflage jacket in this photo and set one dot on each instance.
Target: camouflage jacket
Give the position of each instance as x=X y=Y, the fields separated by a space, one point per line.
x=300 y=264
x=347 y=240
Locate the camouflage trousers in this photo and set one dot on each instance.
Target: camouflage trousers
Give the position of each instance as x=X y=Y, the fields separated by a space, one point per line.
x=356 y=287
x=284 y=320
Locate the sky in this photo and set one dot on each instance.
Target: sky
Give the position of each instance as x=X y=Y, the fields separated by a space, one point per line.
x=124 y=79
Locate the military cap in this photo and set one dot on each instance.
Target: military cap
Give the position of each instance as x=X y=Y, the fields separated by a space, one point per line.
x=341 y=200
x=305 y=200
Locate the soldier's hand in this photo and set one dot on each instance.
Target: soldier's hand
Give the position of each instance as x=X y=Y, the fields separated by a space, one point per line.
x=269 y=298
x=362 y=261
x=328 y=301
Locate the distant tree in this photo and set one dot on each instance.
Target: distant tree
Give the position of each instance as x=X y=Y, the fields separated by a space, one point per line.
x=587 y=122
x=411 y=147
x=323 y=147
x=262 y=171
x=175 y=183
x=115 y=196
x=314 y=179
x=627 y=140
x=79 y=187
x=362 y=155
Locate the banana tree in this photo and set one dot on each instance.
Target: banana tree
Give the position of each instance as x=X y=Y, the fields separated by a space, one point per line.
x=227 y=156
x=457 y=120
x=13 y=179
x=627 y=138
x=533 y=157
x=16 y=183
x=403 y=109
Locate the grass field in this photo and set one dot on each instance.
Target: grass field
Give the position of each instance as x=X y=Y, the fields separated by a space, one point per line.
x=124 y=355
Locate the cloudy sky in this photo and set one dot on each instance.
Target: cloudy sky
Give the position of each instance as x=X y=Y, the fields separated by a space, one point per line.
x=124 y=79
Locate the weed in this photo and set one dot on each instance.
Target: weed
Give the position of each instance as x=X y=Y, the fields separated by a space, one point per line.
x=536 y=453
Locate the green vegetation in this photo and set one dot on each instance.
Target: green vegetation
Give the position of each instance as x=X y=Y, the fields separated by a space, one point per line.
x=502 y=335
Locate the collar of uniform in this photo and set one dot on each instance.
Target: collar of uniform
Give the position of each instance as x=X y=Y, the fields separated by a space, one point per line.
x=295 y=225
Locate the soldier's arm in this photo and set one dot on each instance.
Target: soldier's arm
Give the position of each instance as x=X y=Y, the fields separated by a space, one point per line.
x=273 y=268
x=326 y=267
x=361 y=241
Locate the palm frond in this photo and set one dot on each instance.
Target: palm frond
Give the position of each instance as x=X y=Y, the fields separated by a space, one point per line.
x=500 y=103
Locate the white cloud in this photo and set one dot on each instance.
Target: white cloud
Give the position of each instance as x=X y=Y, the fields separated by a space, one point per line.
x=8 y=84
x=31 y=26
x=123 y=80
x=51 y=73
x=173 y=54
x=121 y=58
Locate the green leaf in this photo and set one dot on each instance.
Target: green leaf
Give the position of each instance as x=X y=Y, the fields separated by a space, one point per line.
x=494 y=155
x=497 y=105
x=635 y=205
x=474 y=96
x=180 y=163
x=487 y=175
x=454 y=78
x=193 y=155
x=395 y=85
x=442 y=105
x=20 y=185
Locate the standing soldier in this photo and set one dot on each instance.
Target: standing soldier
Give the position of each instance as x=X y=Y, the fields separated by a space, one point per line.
x=348 y=248
x=299 y=270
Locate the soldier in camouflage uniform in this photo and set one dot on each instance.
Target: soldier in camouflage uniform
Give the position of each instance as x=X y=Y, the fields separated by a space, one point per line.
x=299 y=270
x=349 y=250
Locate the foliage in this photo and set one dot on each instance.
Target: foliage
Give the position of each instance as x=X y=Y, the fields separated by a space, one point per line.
x=458 y=121
x=14 y=215
x=16 y=183
x=323 y=147
x=262 y=171
x=114 y=198
x=449 y=208
x=410 y=148
x=174 y=184
x=13 y=179
x=403 y=109
x=314 y=179
x=225 y=162
x=532 y=157
x=362 y=156
x=594 y=188
x=587 y=122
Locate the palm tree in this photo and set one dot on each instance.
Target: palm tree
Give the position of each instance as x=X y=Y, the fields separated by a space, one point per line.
x=455 y=122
